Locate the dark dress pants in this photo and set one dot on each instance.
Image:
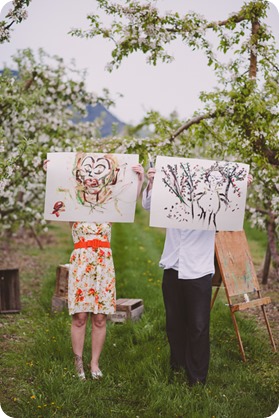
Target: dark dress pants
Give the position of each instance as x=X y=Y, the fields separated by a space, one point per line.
x=187 y=305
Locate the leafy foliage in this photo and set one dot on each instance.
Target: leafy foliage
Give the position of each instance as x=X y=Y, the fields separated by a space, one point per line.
x=239 y=119
x=36 y=115
x=16 y=14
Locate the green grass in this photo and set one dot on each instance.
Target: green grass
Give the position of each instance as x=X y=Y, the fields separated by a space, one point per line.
x=37 y=374
x=257 y=244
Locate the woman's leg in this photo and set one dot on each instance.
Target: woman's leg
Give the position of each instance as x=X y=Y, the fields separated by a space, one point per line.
x=98 y=339
x=78 y=329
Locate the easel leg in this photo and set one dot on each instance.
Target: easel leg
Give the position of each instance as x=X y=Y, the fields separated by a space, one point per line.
x=238 y=336
x=268 y=328
x=214 y=297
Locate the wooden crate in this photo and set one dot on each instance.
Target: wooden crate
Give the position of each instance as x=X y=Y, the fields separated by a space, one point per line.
x=60 y=297
x=58 y=303
x=62 y=275
x=9 y=291
x=127 y=309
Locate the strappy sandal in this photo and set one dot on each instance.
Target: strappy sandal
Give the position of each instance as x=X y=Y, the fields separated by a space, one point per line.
x=79 y=367
x=96 y=375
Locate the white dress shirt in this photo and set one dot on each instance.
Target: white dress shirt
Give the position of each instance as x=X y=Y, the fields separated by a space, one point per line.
x=190 y=252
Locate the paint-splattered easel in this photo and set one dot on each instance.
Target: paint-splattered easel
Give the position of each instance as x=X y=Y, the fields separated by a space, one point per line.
x=235 y=270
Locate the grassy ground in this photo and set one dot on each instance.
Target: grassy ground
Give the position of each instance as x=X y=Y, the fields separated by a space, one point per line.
x=37 y=374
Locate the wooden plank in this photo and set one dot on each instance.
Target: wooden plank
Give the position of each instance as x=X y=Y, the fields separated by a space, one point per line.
x=58 y=303
x=136 y=313
x=128 y=304
x=120 y=301
x=62 y=276
x=127 y=309
x=9 y=291
x=250 y=304
x=118 y=316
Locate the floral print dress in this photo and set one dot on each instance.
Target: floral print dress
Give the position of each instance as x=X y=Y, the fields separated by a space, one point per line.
x=91 y=273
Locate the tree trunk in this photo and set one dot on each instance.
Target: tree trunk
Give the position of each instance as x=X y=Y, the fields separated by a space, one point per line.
x=253 y=53
x=37 y=239
x=266 y=266
x=272 y=242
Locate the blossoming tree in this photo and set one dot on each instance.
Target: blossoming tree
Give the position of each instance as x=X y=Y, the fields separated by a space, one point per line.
x=239 y=118
x=39 y=103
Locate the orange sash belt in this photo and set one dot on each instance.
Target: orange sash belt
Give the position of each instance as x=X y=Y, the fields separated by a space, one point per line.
x=93 y=243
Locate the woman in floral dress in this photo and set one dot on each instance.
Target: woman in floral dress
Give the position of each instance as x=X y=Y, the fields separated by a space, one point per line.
x=91 y=289
x=92 y=286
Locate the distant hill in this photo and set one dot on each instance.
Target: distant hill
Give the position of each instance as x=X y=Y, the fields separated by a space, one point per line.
x=110 y=122
x=13 y=72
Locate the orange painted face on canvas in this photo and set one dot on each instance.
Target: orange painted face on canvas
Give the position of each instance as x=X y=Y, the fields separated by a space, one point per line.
x=94 y=176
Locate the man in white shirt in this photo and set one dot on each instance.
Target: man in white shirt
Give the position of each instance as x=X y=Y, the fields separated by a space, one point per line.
x=188 y=263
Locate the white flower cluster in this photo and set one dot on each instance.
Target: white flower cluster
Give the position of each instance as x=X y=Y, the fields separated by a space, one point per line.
x=4 y=34
x=42 y=114
x=15 y=15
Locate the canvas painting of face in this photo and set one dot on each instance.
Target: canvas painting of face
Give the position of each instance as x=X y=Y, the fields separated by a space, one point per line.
x=199 y=194
x=90 y=187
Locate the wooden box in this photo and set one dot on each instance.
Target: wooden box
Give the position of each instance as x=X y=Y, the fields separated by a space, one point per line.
x=62 y=275
x=58 y=303
x=60 y=297
x=127 y=309
x=9 y=291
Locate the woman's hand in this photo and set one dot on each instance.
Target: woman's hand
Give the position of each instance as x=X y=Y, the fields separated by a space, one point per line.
x=138 y=169
x=45 y=165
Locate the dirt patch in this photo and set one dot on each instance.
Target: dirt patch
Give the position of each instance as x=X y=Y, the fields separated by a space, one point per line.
x=14 y=251
x=12 y=248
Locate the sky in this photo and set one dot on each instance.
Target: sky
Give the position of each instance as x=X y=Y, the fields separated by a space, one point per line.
x=164 y=88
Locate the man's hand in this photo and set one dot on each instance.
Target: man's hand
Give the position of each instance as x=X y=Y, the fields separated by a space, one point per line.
x=249 y=179
x=150 y=176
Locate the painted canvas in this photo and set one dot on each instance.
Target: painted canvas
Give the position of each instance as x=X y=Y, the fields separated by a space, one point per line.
x=199 y=194
x=91 y=187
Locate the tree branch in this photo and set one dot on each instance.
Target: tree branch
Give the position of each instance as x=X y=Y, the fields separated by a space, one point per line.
x=191 y=122
x=271 y=63
x=30 y=81
x=10 y=25
x=253 y=53
x=212 y=25
x=235 y=19
x=260 y=148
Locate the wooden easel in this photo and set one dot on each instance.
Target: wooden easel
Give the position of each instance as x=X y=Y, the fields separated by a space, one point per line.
x=235 y=270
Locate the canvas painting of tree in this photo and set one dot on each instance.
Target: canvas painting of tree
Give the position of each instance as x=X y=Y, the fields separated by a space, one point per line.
x=199 y=194
x=92 y=187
